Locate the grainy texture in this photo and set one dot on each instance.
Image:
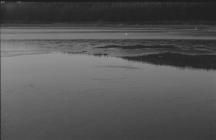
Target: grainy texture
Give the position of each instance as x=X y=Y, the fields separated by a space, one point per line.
x=100 y=12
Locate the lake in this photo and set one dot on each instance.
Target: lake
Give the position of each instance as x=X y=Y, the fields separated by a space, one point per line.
x=108 y=84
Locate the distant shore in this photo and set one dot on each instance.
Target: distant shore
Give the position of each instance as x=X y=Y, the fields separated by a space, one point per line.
x=73 y=32
x=110 y=25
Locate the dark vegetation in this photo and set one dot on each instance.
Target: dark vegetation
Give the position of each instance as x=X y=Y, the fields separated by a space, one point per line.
x=197 y=54
x=178 y=60
x=161 y=46
x=108 y=12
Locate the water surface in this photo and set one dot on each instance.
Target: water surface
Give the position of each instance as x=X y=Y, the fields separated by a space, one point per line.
x=74 y=89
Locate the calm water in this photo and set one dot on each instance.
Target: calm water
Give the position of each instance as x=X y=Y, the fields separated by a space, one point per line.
x=52 y=95
x=149 y=32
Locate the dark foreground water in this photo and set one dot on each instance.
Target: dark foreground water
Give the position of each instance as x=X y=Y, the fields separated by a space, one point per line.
x=103 y=90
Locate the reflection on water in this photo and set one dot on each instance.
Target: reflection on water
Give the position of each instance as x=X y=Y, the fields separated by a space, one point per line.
x=55 y=96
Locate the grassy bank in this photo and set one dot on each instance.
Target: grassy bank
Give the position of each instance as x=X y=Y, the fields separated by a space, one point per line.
x=103 y=12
